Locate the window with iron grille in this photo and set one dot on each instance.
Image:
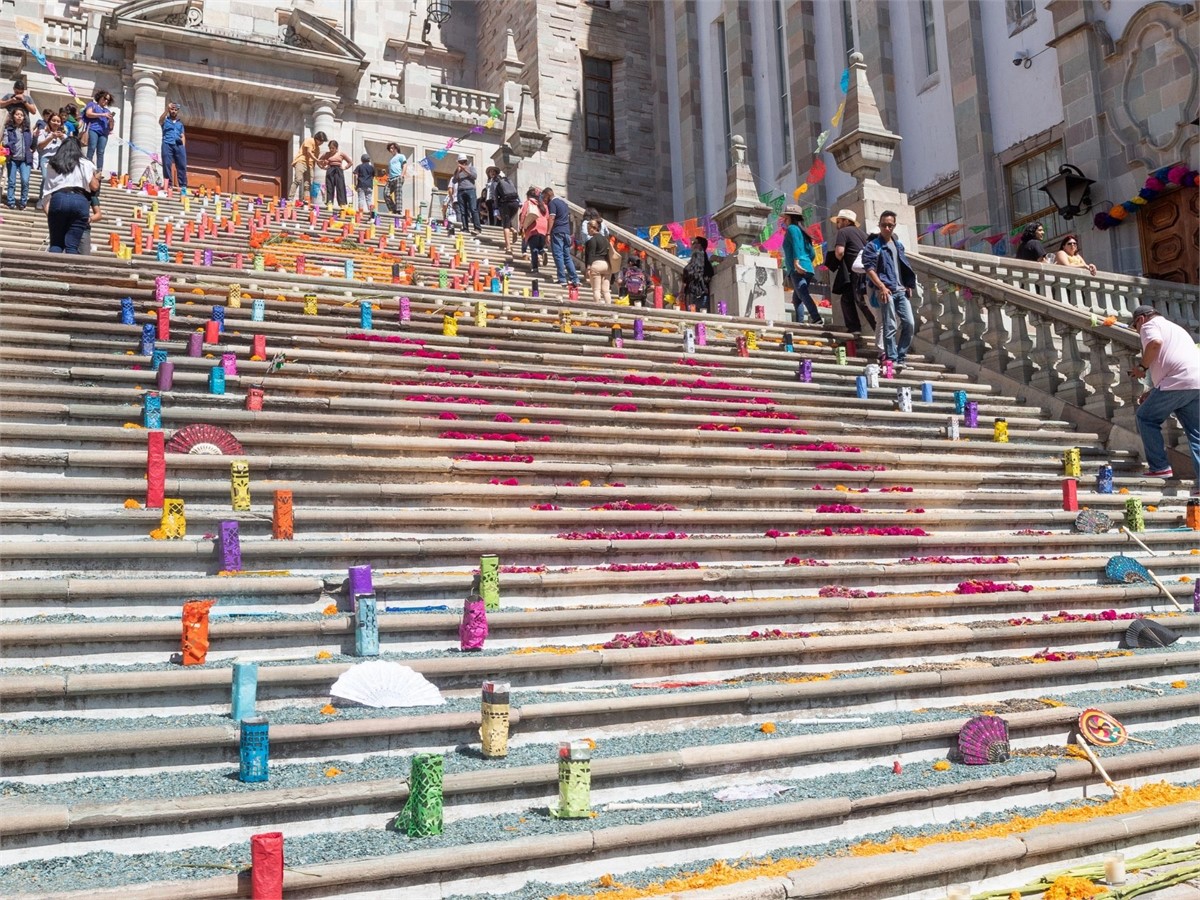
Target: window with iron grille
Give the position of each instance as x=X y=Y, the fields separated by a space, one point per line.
x=1025 y=177
x=598 y=105
x=941 y=211
x=930 y=34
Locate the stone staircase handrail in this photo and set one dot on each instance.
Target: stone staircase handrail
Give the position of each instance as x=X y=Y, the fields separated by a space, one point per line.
x=666 y=267
x=1104 y=293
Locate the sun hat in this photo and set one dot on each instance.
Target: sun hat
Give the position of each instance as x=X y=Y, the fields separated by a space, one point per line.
x=847 y=214
x=793 y=210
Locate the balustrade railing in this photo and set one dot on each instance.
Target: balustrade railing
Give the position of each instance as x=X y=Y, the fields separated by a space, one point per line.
x=665 y=267
x=1043 y=344
x=66 y=36
x=386 y=90
x=1102 y=294
x=464 y=101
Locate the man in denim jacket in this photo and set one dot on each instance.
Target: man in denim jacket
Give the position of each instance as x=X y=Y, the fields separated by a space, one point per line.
x=895 y=285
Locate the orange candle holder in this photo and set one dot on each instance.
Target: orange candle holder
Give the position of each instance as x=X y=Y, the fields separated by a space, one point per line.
x=194 y=643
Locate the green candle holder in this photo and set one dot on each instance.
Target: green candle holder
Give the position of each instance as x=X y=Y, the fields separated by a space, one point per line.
x=422 y=814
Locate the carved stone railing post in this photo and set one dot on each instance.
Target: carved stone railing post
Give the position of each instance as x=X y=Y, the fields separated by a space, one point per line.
x=995 y=357
x=973 y=327
x=1072 y=389
x=955 y=317
x=1020 y=346
x=1046 y=378
x=1102 y=377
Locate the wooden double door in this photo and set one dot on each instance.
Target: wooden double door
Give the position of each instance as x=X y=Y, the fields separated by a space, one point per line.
x=235 y=163
x=1169 y=232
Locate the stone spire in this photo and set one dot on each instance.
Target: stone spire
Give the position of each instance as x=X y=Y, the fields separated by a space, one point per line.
x=742 y=217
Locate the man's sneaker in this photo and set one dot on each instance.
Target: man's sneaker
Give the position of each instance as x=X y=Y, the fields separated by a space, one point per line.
x=1161 y=473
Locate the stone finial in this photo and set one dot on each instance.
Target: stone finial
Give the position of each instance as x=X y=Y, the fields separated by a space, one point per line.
x=864 y=145
x=527 y=136
x=742 y=217
x=738 y=149
x=510 y=49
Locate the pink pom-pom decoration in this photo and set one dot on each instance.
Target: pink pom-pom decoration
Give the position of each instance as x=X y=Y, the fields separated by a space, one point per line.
x=1103 y=221
x=1153 y=184
x=1177 y=174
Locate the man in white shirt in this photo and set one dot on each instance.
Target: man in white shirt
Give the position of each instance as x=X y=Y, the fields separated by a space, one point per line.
x=1171 y=357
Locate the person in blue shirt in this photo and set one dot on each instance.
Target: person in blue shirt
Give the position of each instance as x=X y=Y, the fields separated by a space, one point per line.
x=895 y=285
x=393 y=193
x=364 y=183
x=560 y=237
x=174 y=149
x=798 y=264
x=98 y=117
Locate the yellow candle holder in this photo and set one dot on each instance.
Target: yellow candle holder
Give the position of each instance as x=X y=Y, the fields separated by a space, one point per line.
x=239 y=485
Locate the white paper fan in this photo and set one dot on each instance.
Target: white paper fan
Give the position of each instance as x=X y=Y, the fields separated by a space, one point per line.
x=380 y=683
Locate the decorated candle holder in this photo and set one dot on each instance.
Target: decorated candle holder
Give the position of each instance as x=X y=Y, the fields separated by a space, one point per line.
x=422 y=813
x=926 y=392
x=804 y=370
x=564 y=321
x=266 y=864
x=1104 y=479
x=258 y=310
x=960 y=401
x=282 y=524
x=1070 y=494
x=216 y=380
x=258 y=263
x=365 y=315
x=245 y=690
x=162 y=253
x=348 y=269
x=889 y=369
x=359 y=583
x=233 y=297
x=535 y=288
x=760 y=311
x=722 y=308
x=156 y=469
x=218 y=316
x=310 y=304
x=146 y=345
x=162 y=286
x=614 y=337
x=742 y=347
x=239 y=485
x=173 y=522
x=1135 y=516
x=493 y=719
x=1192 y=514
x=1000 y=431
x=860 y=387
x=1071 y=464
x=212 y=332
x=574 y=781
x=164 y=375
x=701 y=334
x=473 y=626
x=193 y=644
x=751 y=339
x=952 y=432
x=480 y=314
x=405 y=307
x=872 y=373
x=971 y=415
x=254 y=398
x=254 y=750
x=494 y=285
x=639 y=329
x=208 y=258
x=157 y=358
x=229 y=364
x=903 y=399
x=169 y=303
x=230 y=544
x=851 y=347
x=366 y=626
x=689 y=340
x=839 y=355
x=573 y=293
x=151 y=410
x=443 y=277
x=789 y=342
x=127 y=316
x=258 y=346
x=489 y=581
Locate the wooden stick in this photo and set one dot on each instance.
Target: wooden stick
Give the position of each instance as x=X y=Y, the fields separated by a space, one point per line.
x=1129 y=534
x=1139 y=740
x=1096 y=763
x=1164 y=590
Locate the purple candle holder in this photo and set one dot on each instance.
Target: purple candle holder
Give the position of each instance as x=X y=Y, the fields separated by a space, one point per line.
x=231 y=547
x=639 y=329
x=971 y=414
x=165 y=376
x=195 y=344
x=804 y=370
x=360 y=582
x=722 y=308
x=701 y=334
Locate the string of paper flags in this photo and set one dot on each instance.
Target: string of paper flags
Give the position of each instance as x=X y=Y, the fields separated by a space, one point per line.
x=492 y=115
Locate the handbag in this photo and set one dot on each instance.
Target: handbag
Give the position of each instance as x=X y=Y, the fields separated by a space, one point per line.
x=614 y=259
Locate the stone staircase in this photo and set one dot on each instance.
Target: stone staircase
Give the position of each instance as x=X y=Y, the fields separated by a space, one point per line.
x=827 y=588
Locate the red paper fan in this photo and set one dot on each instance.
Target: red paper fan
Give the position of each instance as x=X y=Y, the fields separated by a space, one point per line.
x=1098 y=727
x=208 y=440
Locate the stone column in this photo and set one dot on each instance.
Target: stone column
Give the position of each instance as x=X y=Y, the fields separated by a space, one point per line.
x=323 y=119
x=144 y=130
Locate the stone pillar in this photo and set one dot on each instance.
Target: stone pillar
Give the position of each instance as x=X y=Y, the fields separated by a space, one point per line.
x=323 y=119
x=145 y=133
x=747 y=278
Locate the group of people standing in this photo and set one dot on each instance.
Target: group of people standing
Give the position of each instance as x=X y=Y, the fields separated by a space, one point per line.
x=1031 y=249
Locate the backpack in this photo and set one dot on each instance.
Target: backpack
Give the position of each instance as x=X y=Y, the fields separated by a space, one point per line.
x=506 y=193
x=635 y=281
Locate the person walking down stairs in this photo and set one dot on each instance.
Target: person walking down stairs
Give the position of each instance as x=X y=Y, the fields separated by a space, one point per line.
x=1170 y=356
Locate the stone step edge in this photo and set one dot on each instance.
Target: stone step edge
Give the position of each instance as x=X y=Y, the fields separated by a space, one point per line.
x=14 y=687
x=90 y=743
x=710 y=577
x=600 y=617
x=37 y=817
x=490 y=855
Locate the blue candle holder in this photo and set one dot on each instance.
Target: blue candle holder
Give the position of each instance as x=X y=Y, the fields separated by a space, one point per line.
x=127 y=314
x=1104 y=480
x=216 y=380
x=366 y=626
x=245 y=690
x=168 y=303
x=349 y=268
x=926 y=392
x=254 y=750
x=960 y=401
x=157 y=358
x=151 y=410
x=860 y=387
x=258 y=310
x=789 y=342
x=218 y=316
x=365 y=315
x=149 y=332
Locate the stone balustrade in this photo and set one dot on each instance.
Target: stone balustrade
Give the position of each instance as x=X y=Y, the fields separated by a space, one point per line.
x=664 y=266
x=463 y=101
x=1102 y=294
x=66 y=37
x=386 y=90
x=1039 y=348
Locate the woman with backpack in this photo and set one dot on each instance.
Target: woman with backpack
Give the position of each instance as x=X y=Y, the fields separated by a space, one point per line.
x=535 y=223
x=697 y=275
x=506 y=202
x=71 y=183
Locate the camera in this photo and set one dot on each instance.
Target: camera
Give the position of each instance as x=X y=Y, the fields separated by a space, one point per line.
x=1021 y=57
